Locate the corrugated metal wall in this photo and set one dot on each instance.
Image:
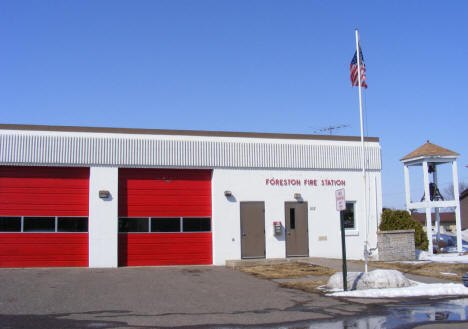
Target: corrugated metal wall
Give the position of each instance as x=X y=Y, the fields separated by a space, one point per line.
x=164 y=193
x=44 y=191
x=44 y=249
x=150 y=249
x=129 y=152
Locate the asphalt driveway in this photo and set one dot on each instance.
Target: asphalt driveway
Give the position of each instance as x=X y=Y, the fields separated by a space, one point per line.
x=155 y=297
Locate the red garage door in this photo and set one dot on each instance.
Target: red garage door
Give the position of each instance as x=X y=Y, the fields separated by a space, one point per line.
x=164 y=217
x=43 y=216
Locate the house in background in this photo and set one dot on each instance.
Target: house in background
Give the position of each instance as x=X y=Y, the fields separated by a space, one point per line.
x=464 y=208
x=447 y=219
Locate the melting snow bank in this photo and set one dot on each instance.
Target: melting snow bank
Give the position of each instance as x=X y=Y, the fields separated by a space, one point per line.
x=388 y=284
x=441 y=258
x=373 y=279
x=419 y=290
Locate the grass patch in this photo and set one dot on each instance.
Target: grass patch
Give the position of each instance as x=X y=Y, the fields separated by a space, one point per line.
x=287 y=271
x=431 y=269
x=309 y=286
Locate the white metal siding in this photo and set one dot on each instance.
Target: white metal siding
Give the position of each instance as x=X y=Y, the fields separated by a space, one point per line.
x=119 y=151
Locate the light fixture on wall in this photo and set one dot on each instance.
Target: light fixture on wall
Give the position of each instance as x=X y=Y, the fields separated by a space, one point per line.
x=297 y=196
x=103 y=194
x=227 y=193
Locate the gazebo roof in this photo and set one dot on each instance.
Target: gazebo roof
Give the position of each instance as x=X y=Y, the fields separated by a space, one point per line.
x=429 y=150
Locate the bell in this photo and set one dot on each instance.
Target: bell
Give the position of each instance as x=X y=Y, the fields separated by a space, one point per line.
x=431 y=168
x=434 y=192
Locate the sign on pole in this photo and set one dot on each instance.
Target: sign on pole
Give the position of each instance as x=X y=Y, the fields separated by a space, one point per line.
x=340 y=199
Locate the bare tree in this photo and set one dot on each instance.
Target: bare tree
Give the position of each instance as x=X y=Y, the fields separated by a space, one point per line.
x=448 y=190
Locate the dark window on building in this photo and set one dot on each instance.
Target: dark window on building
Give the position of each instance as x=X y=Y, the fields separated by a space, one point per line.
x=165 y=224
x=292 y=218
x=39 y=224
x=10 y=224
x=197 y=225
x=133 y=225
x=349 y=220
x=72 y=224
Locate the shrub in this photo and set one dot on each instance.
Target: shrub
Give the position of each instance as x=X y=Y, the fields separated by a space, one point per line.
x=402 y=220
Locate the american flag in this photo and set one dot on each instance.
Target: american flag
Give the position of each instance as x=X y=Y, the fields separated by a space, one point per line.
x=353 y=67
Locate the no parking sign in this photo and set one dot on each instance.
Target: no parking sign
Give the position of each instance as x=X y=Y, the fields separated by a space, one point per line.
x=340 y=199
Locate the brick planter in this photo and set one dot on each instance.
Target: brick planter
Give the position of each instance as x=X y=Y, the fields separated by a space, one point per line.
x=396 y=245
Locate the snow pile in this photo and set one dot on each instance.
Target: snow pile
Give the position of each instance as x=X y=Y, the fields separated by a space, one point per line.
x=369 y=280
x=454 y=248
x=442 y=258
x=419 y=290
x=464 y=235
x=449 y=258
x=422 y=255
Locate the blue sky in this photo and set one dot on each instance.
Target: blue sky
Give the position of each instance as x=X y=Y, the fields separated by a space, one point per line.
x=263 y=66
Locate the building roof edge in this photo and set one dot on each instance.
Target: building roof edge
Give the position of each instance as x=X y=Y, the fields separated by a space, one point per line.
x=203 y=133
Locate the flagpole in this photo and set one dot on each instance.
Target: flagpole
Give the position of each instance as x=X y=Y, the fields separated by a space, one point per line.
x=363 y=164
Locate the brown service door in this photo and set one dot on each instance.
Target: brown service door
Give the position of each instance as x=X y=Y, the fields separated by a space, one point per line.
x=252 y=229
x=297 y=232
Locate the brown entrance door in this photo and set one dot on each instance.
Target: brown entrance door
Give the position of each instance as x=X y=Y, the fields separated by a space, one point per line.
x=297 y=232
x=252 y=229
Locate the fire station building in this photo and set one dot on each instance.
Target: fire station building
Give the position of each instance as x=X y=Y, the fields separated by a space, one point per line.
x=108 y=197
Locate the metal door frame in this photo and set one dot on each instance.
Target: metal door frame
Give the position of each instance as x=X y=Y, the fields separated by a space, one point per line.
x=286 y=230
x=264 y=231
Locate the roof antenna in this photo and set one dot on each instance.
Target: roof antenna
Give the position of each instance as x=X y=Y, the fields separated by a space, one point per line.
x=330 y=129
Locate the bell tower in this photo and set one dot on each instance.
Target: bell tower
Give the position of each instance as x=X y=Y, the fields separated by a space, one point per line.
x=429 y=156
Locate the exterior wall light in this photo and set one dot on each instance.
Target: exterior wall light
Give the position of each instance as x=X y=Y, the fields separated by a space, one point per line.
x=103 y=194
x=227 y=193
x=297 y=196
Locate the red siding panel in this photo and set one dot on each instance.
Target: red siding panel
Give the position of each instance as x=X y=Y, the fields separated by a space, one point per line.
x=43 y=249
x=145 y=249
x=44 y=191
x=164 y=192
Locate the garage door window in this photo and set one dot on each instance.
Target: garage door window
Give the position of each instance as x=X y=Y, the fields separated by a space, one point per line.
x=197 y=225
x=10 y=224
x=39 y=224
x=164 y=225
x=133 y=225
x=44 y=224
x=72 y=224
